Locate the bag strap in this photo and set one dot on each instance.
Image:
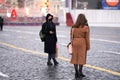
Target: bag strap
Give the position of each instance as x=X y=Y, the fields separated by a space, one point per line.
x=72 y=34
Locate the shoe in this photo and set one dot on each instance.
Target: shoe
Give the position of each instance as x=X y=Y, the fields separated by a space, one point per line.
x=82 y=75
x=56 y=63
x=49 y=64
x=76 y=75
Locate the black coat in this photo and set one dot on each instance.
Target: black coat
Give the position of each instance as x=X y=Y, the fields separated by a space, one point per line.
x=50 y=39
x=1 y=21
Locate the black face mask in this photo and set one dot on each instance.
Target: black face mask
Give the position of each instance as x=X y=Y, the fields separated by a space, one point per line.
x=50 y=19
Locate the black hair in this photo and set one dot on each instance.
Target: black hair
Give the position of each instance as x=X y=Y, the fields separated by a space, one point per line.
x=48 y=16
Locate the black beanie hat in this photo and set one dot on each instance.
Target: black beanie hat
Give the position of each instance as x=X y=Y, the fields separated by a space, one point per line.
x=48 y=16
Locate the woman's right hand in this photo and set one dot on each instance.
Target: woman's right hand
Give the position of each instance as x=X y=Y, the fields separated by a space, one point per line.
x=51 y=32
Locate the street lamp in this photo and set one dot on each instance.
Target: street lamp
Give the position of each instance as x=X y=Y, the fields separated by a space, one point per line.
x=47 y=5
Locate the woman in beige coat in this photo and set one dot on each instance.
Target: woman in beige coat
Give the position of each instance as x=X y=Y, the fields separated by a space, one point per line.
x=80 y=38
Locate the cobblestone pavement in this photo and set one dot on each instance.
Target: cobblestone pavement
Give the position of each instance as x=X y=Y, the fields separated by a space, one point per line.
x=22 y=57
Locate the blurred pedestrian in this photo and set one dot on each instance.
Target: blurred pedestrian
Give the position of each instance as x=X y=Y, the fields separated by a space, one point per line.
x=1 y=23
x=49 y=29
x=80 y=38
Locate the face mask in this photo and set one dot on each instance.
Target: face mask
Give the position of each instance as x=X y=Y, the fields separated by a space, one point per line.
x=51 y=19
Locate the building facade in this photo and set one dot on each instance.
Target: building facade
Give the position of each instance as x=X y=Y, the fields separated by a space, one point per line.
x=34 y=8
x=42 y=7
x=98 y=12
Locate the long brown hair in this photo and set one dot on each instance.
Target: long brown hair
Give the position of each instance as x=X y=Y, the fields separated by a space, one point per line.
x=81 y=21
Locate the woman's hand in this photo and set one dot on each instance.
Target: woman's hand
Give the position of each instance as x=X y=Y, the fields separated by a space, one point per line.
x=70 y=53
x=51 y=32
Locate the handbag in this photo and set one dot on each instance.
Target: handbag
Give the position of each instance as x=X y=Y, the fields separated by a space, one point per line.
x=56 y=54
x=69 y=46
x=42 y=35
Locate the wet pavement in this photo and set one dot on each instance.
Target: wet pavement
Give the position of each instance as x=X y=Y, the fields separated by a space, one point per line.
x=22 y=56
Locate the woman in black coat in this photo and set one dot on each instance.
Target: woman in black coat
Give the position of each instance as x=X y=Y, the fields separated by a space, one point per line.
x=49 y=29
x=1 y=23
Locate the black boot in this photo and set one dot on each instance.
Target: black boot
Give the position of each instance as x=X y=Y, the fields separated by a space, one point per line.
x=76 y=70
x=80 y=71
x=82 y=75
x=49 y=63
x=76 y=75
x=55 y=61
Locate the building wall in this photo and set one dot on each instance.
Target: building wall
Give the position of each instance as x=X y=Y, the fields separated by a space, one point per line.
x=106 y=18
x=91 y=4
x=96 y=17
x=40 y=6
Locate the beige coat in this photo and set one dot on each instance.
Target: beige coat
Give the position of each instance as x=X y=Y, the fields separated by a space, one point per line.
x=80 y=44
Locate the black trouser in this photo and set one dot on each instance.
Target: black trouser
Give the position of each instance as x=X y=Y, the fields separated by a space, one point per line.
x=51 y=56
x=78 y=68
x=1 y=26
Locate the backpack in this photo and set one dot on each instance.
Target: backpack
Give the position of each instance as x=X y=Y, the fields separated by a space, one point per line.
x=42 y=36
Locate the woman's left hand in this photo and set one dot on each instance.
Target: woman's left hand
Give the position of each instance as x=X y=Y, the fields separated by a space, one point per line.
x=51 y=32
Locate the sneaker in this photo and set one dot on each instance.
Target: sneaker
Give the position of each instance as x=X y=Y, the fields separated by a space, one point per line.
x=56 y=63
x=49 y=64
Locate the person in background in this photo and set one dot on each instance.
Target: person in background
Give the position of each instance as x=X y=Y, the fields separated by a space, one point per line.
x=80 y=38
x=49 y=29
x=1 y=23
